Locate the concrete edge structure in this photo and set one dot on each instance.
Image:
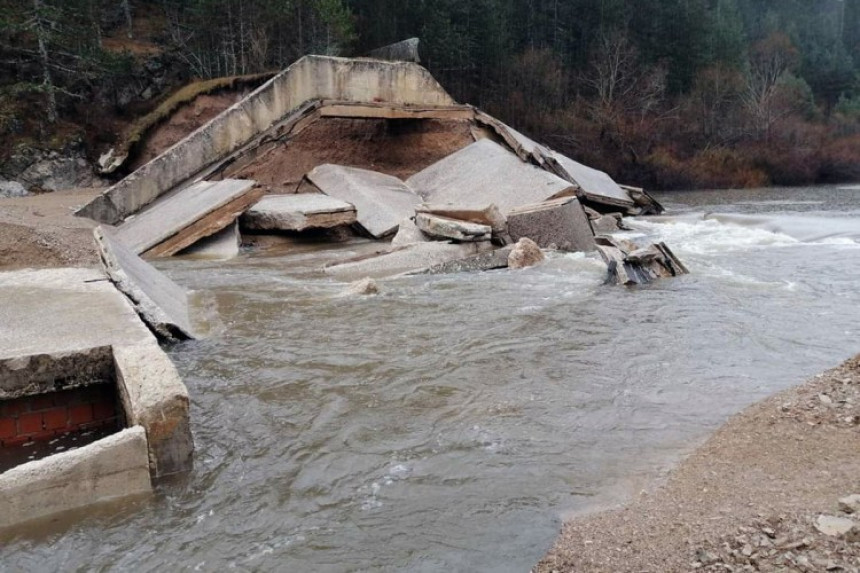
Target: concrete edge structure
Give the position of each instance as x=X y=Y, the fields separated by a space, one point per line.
x=113 y=467
x=310 y=78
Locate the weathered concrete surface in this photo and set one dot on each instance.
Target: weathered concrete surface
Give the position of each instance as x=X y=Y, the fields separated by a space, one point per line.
x=525 y=253
x=160 y=302
x=176 y=214
x=594 y=185
x=606 y=224
x=310 y=78
x=560 y=223
x=405 y=259
x=408 y=233
x=155 y=397
x=483 y=215
x=223 y=245
x=404 y=51
x=29 y=375
x=381 y=201
x=447 y=228
x=62 y=311
x=298 y=213
x=110 y=468
x=485 y=173
x=496 y=259
x=629 y=264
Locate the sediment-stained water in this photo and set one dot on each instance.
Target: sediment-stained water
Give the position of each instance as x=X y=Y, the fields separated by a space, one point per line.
x=447 y=423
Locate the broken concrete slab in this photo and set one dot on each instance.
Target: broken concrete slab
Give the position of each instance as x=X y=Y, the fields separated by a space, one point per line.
x=525 y=253
x=223 y=245
x=298 y=212
x=23 y=375
x=606 y=224
x=181 y=220
x=408 y=234
x=405 y=259
x=403 y=51
x=160 y=302
x=594 y=185
x=447 y=228
x=484 y=215
x=312 y=78
x=111 y=468
x=496 y=259
x=559 y=223
x=486 y=172
x=628 y=264
x=381 y=201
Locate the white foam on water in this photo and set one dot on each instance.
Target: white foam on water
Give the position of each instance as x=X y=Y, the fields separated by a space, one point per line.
x=708 y=236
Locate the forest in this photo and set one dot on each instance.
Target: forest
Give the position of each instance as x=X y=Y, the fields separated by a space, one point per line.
x=665 y=94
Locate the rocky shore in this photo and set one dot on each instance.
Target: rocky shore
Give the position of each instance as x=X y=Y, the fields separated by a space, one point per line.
x=772 y=490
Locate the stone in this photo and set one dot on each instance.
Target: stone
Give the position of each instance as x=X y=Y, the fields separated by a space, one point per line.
x=10 y=189
x=182 y=219
x=363 y=287
x=841 y=527
x=408 y=234
x=607 y=224
x=559 y=222
x=159 y=301
x=223 y=245
x=405 y=259
x=381 y=201
x=111 y=468
x=483 y=215
x=298 y=212
x=525 y=253
x=497 y=259
x=446 y=228
x=850 y=504
x=485 y=173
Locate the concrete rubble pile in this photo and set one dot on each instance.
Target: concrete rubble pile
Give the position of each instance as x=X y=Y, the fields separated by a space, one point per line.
x=630 y=264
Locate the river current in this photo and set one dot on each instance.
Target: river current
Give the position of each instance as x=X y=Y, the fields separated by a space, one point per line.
x=448 y=423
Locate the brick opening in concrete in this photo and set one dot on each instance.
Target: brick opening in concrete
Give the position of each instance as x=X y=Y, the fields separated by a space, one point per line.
x=54 y=403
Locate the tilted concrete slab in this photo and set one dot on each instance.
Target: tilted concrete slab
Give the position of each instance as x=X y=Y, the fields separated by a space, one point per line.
x=158 y=300
x=381 y=201
x=405 y=259
x=310 y=78
x=486 y=172
x=298 y=213
x=223 y=245
x=408 y=233
x=560 y=223
x=594 y=185
x=173 y=215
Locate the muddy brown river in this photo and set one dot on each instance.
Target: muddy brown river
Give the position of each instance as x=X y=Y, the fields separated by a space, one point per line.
x=448 y=423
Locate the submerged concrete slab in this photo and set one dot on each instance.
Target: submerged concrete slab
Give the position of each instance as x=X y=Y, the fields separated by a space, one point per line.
x=453 y=229
x=381 y=201
x=497 y=259
x=485 y=173
x=111 y=468
x=560 y=223
x=310 y=78
x=406 y=259
x=158 y=300
x=182 y=219
x=298 y=212
x=223 y=245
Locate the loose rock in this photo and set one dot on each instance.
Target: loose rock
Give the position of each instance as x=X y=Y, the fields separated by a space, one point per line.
x=363 y=287
x=850 y=504
x=525 y=253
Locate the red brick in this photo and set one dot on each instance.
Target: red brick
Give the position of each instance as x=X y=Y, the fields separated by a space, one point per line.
x=81 y=414
x=29 y=424
x=56 y=418
x=104 y=410
x=42 y=402
x=8 y=428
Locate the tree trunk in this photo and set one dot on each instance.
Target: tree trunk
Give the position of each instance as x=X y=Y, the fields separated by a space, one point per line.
x=44 y=58
x=126 y=8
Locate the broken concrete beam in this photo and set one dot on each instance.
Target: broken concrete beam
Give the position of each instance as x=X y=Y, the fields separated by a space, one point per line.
x=485 y=173
x=403 y=51
x=446 y=228
x=629 y=265
x=180 y=220
x=525 y=253
x=560 y=224
x=483 y=215
x=298 y=212
x=405 y=259
x=160 y=302
x=154 y=397
x=496 y=259
x=110 y=468
x=381 y=201
x=408 y=234
x=223 y=245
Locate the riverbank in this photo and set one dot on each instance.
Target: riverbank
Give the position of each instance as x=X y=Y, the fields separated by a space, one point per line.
x=744 y=501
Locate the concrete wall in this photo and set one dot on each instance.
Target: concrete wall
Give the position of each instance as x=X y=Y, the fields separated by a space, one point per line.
x=110 y=468
x=310 y=78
